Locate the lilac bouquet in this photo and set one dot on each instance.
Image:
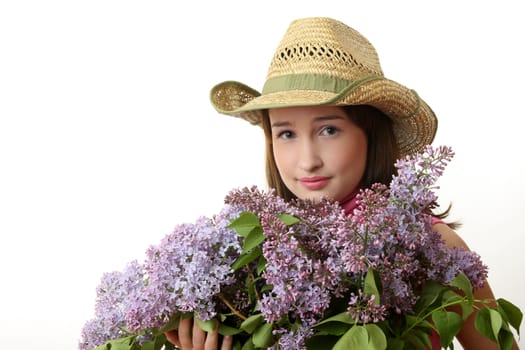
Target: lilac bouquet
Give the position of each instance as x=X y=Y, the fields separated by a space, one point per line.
x=304 y=275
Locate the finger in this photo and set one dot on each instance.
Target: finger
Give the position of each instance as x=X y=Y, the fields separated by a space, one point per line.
x=185 y=333
x=227 y=342
x=212 y=339
x=199 y=337
x=173 y=337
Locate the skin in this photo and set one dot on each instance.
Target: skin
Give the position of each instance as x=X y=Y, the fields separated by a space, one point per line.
x=189 y=336
x=308 y=144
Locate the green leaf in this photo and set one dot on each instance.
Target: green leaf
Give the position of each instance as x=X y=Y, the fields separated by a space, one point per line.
x=173 y=323
x=262 y=336
x=496 y=321
x=245 y=223
x=148 y=345
x=168 y=346
x=248 y=345
x=414 y=321
x=103 y=347
x=430 y=293
x=161 y=342
x=452 y=297
x=343 y=317
x=447 y=324
x=246 y=258
x=254 y=238
x=506 y=340
x=332 y=328
x=335 y=325
x=237 y=344
x=376 y=337
x=228 y=330
x=511 y=313
x=261 y=265
x=395 y=344
x=367 y=337
x=482 y=324
x=424 y=337
x=355 y=338
x=125 y=343
x=208 y=326
x=370 y=286
x=251 y=323
x=157 y=343
x=462 y=282
x=486 y=323
x=449 y=296
x=416 y=342
x=288 y=219
x=467 y=310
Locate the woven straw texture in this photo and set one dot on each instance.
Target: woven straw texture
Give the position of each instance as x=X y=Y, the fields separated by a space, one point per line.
x=321 y=61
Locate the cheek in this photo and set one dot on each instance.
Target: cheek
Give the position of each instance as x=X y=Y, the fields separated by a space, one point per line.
x=356 y=165
x=346 y=163
x=281 y=159
x=354 y=159
x=286 y=159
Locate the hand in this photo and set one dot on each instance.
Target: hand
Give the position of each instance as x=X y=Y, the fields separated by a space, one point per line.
x=189 y=336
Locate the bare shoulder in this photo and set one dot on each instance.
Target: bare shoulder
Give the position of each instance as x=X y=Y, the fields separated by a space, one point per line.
x=451 y=238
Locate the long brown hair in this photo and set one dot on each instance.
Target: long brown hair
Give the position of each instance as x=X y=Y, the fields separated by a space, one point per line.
x=382 y=149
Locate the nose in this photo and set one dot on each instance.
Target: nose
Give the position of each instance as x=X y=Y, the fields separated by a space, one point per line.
x=309 y=156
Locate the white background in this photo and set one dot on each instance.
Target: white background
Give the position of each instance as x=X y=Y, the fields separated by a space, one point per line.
x=107 y=138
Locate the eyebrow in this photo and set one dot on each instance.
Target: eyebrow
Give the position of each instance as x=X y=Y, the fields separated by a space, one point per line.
x=316 y=119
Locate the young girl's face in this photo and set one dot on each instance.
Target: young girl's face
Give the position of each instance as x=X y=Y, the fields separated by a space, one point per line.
x=319 y=151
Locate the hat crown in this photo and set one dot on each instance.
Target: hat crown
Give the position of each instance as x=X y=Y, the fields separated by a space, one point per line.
x=324 y=46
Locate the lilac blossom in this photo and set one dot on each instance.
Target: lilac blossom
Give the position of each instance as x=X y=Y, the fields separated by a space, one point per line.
x=181 y=274
x=302 y=260
x=185 y=271
x=364 y=309
x=110 y=306
x=324 y=255
x=327 y=254
x=391 y=232
x=292 y=339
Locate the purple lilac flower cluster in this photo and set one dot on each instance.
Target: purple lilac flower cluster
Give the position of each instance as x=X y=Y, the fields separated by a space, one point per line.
x=391 y=232
x=185 y=271
x=327 y=254
x=302 y=263
x=111 y=306
x=317 y=255
x=181 y=274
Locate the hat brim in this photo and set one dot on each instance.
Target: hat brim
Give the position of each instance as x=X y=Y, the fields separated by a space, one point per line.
x=414 y=122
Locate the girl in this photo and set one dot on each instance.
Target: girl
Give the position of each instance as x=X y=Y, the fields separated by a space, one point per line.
x=333 y=124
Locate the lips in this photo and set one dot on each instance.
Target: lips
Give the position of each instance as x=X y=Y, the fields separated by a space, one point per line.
x=314 y=182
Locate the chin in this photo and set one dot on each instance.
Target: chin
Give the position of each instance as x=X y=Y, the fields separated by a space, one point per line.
x=316 y=196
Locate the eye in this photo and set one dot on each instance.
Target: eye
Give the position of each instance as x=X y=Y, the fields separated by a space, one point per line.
x=329 y=131
x=285 y=135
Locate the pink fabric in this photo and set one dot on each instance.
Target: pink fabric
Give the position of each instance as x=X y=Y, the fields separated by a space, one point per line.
x=349 y=204
x=435 y=341
x=437 y=221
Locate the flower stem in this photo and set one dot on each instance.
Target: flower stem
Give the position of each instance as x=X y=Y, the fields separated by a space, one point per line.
x=231 y=307
x=252 y=276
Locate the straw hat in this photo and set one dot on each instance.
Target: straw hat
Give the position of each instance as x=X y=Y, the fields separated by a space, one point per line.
x=321 y=61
